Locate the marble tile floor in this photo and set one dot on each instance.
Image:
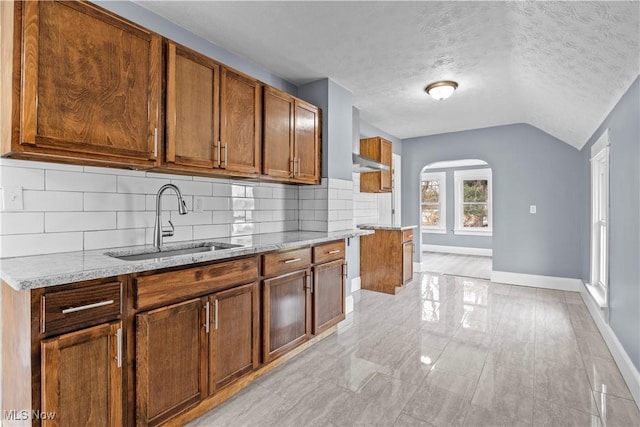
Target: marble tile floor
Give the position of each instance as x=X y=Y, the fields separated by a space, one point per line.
x=458 y=265
x=447 y=351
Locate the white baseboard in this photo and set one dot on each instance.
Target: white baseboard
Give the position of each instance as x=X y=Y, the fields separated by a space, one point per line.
x=628 y=370
x=418 y=267
x=459 y=250
x=355 y=284
x=547 y=282
x=348 y=304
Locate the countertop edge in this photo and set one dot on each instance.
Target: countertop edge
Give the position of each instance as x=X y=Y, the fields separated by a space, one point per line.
x=115 y=267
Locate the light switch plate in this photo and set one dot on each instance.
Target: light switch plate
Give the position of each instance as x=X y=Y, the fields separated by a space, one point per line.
x=532 y=209
x=12 y=198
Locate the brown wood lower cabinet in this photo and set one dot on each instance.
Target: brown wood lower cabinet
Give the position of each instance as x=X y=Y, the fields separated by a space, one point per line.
x=287 y=313
x=82 y=377
x=328 y=295
x=170 y=360
x=235 y=334
x=386 y=260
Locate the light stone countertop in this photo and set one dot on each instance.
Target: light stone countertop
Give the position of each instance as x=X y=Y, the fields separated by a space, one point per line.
x=37 y=271
x=386 y=227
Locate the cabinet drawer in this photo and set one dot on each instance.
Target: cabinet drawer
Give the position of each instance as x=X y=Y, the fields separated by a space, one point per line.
x=328 y=252
x=284 y=262
x=407 y=235
x=62 y=310
x=178 y=285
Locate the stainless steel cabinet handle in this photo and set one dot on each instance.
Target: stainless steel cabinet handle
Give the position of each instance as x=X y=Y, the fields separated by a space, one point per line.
x=119 y=348
x=289 y=261
x=216 y=314
x=335 y=251
x=206 y=317
x=155 y=142
x=226 y=153
x=219 y=148
x=87 y=307
x=312 y=283
x=297 y=161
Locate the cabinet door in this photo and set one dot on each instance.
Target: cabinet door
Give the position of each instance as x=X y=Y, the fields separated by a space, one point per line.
x=171 y=359
x=407 y=262
x=240 y=121
x=328 y=295
x=82 y=377
x=234 y=338
x=386 y=155
x=90 y=86
x=192 y=115
x=287 y=313
x=307 y=143
x=278 y=134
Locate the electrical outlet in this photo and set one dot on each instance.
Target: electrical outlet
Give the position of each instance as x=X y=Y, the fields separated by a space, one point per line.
x=198 y=204
x=12 y=198
x=532 y=209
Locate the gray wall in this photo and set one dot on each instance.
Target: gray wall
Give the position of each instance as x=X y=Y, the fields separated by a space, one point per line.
x=624 y=216
x=450 y=239
x=336 y=103
x=168 y=29
x=529 y=167
x=368 y=131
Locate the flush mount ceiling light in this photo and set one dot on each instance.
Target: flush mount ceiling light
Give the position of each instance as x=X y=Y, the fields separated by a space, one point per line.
x=442 y=89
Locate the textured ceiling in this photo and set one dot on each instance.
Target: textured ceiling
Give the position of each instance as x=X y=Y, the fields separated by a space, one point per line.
x=559 y=66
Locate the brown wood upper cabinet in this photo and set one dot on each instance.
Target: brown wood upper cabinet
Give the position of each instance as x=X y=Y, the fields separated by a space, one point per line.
x=86 y=86
x=381 y=150
x=213 y=116
x=291 y=140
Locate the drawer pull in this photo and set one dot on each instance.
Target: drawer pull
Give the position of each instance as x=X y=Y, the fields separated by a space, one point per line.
x=289 y=261
x=87 y=307
x=335 y=251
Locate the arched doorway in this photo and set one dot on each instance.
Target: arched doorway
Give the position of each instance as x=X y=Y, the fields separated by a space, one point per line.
x=456 y=218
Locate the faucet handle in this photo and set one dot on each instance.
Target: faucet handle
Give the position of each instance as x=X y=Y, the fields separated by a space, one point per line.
x=168 y=233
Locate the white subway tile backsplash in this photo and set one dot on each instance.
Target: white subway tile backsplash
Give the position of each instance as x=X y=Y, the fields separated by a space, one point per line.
x=51 y=201
x=194 y=188
x=243 y=204
x=28 y=179
x=21 y=223
x=79 y=181
x=216 y=203
x=211 y=231
x=113 y=202
x=137 y=219
x=34 y=244
x=79 y=221
x=75 y=207
x=191 y=218
x=113 y=238
x=140 y=185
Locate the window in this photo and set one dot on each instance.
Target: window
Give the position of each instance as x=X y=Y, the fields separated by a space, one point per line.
x=433 y=201
x=600 y=220
x=473 y=202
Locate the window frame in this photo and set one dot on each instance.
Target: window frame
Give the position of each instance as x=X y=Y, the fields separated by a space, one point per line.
x=600 y=216
x=441 y=177
x=459 y=176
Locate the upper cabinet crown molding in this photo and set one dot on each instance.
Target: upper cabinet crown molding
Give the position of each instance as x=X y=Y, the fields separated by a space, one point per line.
x=87 y=87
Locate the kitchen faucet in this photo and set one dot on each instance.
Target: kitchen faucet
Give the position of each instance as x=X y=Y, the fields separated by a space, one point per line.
x=158 y=231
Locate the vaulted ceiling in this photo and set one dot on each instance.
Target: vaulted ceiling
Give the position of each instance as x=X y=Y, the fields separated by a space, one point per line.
x=559 y=66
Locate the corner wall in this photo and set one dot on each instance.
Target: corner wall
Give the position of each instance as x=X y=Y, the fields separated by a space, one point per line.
x=624 y=217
